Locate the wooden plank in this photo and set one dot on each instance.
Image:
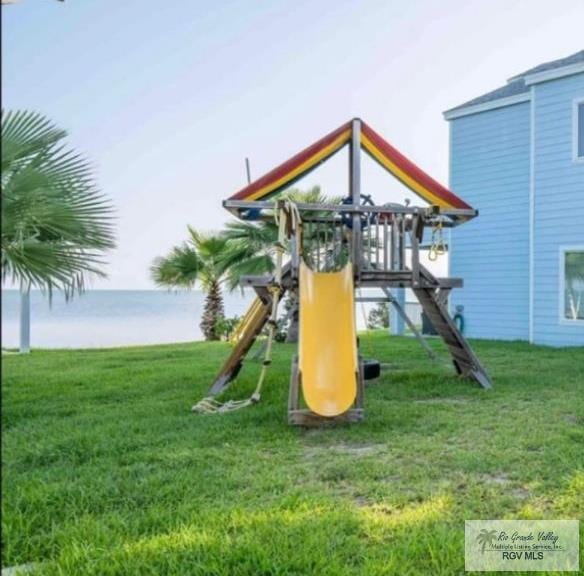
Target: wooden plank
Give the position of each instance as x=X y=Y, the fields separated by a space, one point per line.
x=294 y=392
x=379 y=299
x=310 y=419
x=460 y=354
x=387 y=275
x=410 y=324
x=235 y=205
x=360 y=386
x=355 y=191
x=402 y=243
x=385 y=243
x=415 y=252
x=394 y=263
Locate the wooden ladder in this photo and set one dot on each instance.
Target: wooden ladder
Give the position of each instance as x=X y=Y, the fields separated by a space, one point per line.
x=234 y=362
x=257 y=317
x=433 y=301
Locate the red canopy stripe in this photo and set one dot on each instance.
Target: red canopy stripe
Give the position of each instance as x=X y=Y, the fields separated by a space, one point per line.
x=299 y=165
x=407 y=172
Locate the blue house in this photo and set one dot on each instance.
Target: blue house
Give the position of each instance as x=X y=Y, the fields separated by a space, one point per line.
x=517 y=154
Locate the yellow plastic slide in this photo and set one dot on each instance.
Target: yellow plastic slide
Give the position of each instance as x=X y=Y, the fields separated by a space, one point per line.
x=327 y=358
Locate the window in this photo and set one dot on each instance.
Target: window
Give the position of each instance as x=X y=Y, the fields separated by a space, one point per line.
x=572 y=284
x=579 y=130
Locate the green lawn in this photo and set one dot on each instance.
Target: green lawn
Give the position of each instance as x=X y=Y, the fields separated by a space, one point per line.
x=106 y=471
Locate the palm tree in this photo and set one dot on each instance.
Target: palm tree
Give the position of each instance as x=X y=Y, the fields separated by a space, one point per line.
x=56 y=226
x=252 y=247
x=201 y=259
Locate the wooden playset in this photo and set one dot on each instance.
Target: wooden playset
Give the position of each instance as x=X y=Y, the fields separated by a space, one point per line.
x=333 y=250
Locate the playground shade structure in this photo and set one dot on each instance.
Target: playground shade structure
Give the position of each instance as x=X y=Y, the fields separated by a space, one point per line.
x=327 y=344
x=375 y=146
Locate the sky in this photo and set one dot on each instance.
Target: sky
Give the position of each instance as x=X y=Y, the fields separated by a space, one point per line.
x=167 y=99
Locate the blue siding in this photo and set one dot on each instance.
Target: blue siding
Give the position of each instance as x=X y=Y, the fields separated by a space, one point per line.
x=559 y=204
x=490 y=169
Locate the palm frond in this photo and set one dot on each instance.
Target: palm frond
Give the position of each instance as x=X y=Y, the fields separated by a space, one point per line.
x=250 y=265
x=201 y=259
x=313 y=195
x=56 y=226
x=179 y=269
x=257 y=235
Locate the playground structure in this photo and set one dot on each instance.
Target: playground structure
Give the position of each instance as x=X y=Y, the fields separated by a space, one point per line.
x=334 y=250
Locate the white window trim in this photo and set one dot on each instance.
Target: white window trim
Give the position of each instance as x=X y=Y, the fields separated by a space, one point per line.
x=575 y=104
x=531 y=304
x=562 y=286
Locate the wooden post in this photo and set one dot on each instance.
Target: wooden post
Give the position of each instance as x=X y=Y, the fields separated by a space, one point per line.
x=395 y=243
x=385 y=244
x=294 y=255
x=355 y=191
x=317 y=227
x=415 y=252
x=402 y=242
x=294 y=392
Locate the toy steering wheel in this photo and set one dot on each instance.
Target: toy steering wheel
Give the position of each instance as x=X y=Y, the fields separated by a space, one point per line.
x=366 y=219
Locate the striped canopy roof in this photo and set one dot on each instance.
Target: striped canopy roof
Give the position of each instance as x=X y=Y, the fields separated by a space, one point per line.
x=379 y=149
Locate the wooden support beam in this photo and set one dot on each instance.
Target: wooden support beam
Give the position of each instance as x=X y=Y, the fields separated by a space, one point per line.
x=235 y=206
x=355 y=191
x=415 y=253
x=398 y=308
x=402 y=243
x=463 y=357
x=309 y=419
x=255 y=281
x=394 y=261
x=373 y=299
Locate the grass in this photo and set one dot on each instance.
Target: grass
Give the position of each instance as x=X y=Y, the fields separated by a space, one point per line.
x=105 y=470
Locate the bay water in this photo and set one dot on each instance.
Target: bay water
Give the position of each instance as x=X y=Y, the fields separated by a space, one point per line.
x=109 y=318
x=103 y=318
